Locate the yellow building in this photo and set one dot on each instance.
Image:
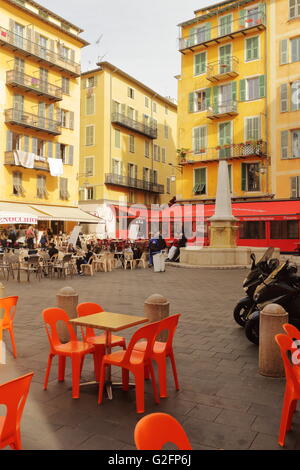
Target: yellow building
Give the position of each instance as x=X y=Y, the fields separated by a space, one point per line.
x=284 y=66
x=40 y=118
x=128 y=141
x=222 y=103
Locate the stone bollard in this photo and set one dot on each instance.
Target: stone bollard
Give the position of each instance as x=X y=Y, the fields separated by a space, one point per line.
x=272 y=318
x=67 y=299
x=157 y=308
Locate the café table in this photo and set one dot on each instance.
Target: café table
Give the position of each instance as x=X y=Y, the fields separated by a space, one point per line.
x=110 y=323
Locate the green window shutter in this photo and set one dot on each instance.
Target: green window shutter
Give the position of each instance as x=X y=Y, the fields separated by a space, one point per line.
x=249 y=49
x=215 y=98
x=284 y=102
x=284 y=54
x=207 y=97
x=262 y=87
x=9 y=141
x=284 y=144
x=243 y=90
x=200 y=63
x=244 y=177
x=192 y=102
x=207 y=31
x=233 y=92
x=242 y=18
x=192 y=37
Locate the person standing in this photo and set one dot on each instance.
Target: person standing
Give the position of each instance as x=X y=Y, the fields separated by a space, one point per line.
x=30 y=236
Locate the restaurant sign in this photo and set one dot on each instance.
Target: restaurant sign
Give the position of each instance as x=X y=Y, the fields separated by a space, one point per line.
x=13 y=219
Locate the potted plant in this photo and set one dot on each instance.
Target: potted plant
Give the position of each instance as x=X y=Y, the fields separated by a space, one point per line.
x=182 y=153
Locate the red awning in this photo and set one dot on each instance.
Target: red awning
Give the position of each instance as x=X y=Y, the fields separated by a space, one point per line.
x=273 y=210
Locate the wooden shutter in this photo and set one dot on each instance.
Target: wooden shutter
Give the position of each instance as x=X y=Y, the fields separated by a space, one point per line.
x=9 y=141
x=191 y=102
x=71 y=120
x=207 y=98
x=284 y=55
x=123 y=109
x=50 y=149
x=207 y=31
x=71 y=155
x=284 y=144
x=284 y=102
x=57 y=150
x=244 y=177
x=243 y=90
x=295 y=92
x=58 y=115
x=262 y=88
x=294 y=187
x=200 y=63
x=72 y=55
x=26 y=143
x=215 y=99
x=34 y=145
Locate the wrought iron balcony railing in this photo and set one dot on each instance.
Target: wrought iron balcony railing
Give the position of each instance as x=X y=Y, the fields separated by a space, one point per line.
x=26 y=47
x=34 y=85
x=41 y=164
x=205 y=35
x=223 y=69
x=223 y=109
x=257 y=148
x=128 y=182
x=131 y=124
x=32 y=121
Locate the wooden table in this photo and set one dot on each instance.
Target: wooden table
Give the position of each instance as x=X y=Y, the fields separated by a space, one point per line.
x=110 y=323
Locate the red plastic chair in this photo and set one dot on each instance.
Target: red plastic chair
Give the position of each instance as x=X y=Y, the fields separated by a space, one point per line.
x=13 y=395
x=291 y=331
x=9 y=305
x=154 y=431
x=162 y=351
x=291 y=360
x=135 y=362
x=74 y=349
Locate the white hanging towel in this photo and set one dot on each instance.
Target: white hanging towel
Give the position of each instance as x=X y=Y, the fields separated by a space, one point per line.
x=56 y=166
x=24 y=159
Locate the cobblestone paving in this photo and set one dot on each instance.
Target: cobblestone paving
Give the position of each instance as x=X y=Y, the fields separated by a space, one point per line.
x=223 y=403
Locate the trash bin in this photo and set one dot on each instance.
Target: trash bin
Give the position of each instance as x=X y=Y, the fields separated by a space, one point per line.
x=159 y=262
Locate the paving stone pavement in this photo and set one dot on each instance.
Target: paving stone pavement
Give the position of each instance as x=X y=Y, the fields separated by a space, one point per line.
x=223 y=403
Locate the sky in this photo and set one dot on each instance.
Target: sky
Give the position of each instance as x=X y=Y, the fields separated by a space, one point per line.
x=139 y=36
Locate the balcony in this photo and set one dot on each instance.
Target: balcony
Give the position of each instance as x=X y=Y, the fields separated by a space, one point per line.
x=32 y=121
x=9 y=160
x=205 y=36
x=131 y=124
x=226 y=109
x=14 y=42
x=38 y=87
x=128 y=182
x=223 y=69
x=227 y=152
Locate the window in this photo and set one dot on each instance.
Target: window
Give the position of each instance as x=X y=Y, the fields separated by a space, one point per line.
x=199 y=100
x=64 y=52
x=130 y=112
x=90 y=104
x=284 y=144
x=89 y=135
x=131 y=93
x=166 y=131
x=116 y=167
x=284 y=51
x=225 y=139
x=225 y=59
x=131 y=144
x=252 y=88
x=200 y=63
x=252 y=128
x=295 y=187
x=18 y=31
x=163 y=155
x=154 y=107
x=225 y=23
x=90 y=82
x=146 y=102
x=168 y=185
x=89 y=166
x=18 y=189
x=63 y=189
x=294 y=8
x=284 y=98
x=147 y=149
x=200 y=139
x=117 y=139
x=41 y=187
x=19 y=65
x=295 y=143
x=43 y=43
x=154 y=176
x=253 y=230
x=89 y=193
x=295 y=96
x=65 y=85
x=199 y=35
x=284 y=229
x=64 y=118
x=41 y=145
x=252 y=49
x=156 y=153
x=252 y=16
x=132 y=171
x=250 y=177
x=146 y=175
x=295 y=49
x=115 y=107
x=200 y=181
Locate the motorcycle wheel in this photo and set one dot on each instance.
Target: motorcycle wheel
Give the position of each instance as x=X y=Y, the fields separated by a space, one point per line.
x=241 y=312
x=252 y=330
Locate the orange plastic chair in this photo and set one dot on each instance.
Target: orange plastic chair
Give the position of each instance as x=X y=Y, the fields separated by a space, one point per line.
x=74 y=349
x=292 y=388
x=161 y=351
x=13 y=395
x=135 y=362
x=156 y=430
x=291 y=331
x=9 y=305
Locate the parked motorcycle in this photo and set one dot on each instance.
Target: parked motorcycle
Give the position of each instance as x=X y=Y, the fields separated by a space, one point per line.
x=282 y=287
x=259 y=271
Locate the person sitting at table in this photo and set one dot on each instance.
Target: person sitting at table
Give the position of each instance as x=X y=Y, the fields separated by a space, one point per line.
x=84 y=259
x=44 y=240
x=71 y=248
x=52 y=250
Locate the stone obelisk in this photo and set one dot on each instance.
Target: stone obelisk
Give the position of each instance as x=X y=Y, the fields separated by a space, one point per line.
x=223 y=224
